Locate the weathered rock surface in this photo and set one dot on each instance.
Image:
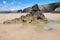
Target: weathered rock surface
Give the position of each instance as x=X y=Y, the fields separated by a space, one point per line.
x=35 y=16
x=57 y=9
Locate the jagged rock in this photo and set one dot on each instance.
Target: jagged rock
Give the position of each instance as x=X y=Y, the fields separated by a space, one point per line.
x=27 y=18
x=37 y=13
x=35 y=16
x=35 y=7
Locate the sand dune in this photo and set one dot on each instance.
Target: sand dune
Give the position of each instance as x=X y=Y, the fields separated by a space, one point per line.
x=29 y=32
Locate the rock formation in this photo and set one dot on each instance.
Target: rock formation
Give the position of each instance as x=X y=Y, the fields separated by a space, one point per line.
x=57 y=9
x=19 y=11
x=27 y=10
x=35 y=16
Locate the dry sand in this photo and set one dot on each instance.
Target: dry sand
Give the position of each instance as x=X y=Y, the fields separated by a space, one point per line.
x=29 y=32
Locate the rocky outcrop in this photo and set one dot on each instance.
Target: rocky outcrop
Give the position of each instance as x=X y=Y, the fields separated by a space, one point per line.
x=27 y=10
x=19 y=11
x=36 y=12
x=57 y=9
x=35 y=16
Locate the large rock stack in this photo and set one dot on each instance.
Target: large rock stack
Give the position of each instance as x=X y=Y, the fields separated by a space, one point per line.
x=35 y=16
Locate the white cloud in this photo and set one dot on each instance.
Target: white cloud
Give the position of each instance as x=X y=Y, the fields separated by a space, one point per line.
x=11 y=6
x=4 y=2
x=12 y=9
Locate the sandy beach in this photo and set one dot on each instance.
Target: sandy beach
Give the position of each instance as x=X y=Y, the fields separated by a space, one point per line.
x=29 y=32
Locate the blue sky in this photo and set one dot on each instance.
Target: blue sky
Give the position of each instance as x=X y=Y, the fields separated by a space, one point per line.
x=21 y=4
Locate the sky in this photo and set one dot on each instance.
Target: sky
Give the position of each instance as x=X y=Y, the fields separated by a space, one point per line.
x=21 y=4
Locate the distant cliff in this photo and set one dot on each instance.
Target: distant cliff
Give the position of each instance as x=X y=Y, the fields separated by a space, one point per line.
x=8 y=11
x=53 y=7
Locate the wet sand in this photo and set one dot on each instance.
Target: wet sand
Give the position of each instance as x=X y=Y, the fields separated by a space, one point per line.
x=29 y=32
